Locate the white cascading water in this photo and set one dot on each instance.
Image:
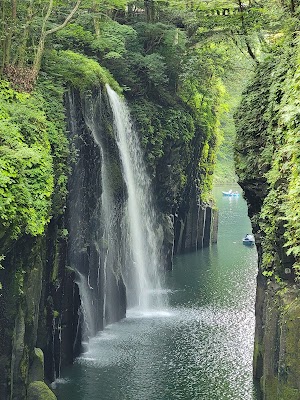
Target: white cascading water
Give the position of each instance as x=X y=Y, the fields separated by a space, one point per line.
x=143 y=263
x=108 y=209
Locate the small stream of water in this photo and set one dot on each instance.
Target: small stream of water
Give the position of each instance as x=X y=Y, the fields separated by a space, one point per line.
x=199 y=348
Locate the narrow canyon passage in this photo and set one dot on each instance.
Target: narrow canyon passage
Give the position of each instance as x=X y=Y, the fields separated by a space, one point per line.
x=200 y=347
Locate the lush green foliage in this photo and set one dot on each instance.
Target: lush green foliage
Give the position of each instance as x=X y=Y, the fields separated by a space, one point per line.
x=270 y=128
x=235 y=82
x=286 y=161
x=27 y=178
x=78 y=70
x=51 y=98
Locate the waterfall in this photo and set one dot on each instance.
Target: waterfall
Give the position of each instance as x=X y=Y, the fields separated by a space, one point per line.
x=94 y=229
x=141 y=233
x=115 y=240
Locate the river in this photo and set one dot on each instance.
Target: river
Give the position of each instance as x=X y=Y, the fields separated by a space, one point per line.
x=199 y=348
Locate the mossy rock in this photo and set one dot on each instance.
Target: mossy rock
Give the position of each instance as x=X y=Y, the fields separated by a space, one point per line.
x=288 y=393
x=290 y=352
x=38 y=390
x=36 y=371
x=270 y=387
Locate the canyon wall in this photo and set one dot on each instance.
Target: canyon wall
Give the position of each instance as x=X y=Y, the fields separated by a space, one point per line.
x=267 y=160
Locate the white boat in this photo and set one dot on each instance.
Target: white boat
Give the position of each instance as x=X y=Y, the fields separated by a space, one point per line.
x=248 y=240
x=230 y=193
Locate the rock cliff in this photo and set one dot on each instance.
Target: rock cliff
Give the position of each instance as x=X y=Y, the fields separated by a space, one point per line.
x=267 y=159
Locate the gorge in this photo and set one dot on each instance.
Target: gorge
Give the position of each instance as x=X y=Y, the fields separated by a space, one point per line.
x=115 y=118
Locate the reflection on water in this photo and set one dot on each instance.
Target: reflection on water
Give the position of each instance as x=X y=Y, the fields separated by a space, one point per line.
x=199 y=348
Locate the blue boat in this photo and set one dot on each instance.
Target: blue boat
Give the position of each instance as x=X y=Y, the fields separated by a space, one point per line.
x=230 y=193
x=248 y=240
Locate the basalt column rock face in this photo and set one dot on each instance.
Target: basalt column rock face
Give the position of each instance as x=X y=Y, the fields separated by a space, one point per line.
x=39 y=305
x=23 y=268
x=277 y=341
x=59 y=333
x=196 y=228
x=196 y=221
x=277 y=331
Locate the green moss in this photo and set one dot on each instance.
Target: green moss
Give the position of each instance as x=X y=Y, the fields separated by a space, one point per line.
x=282 y=381
x=288 y=393
x=115 y=177
x=26 y=170
x=257 y=354
x=291 y=332
x=39 y=355
x=24 y=364
x=78 y=70
x=55 y=261
x=38 y=390
x=270 y=387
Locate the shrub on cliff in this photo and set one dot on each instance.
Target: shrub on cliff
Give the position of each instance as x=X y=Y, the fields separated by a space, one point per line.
x=26 y=174
x=32 y=136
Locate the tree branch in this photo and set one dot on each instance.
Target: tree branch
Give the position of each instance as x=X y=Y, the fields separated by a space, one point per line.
x=49 y=11
x=244 y=30
x=44 y=33
x=66 y=21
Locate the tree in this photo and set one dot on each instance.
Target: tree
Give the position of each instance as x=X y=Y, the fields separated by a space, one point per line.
x=23 y=25
x=46 y=32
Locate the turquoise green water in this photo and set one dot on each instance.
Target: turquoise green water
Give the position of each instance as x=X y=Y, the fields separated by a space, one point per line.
x=199 y=348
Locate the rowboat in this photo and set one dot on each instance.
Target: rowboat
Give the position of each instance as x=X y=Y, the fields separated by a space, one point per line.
x=248 y=240
x=230 y=193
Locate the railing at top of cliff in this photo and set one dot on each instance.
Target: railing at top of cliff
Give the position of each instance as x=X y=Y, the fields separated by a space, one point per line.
x=202 y=8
